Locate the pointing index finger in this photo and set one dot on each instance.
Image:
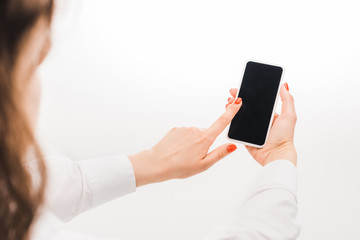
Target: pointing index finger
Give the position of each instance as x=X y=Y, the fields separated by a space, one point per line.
x=221 y=123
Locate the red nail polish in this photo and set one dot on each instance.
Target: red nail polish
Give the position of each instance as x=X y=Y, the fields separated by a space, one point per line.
x=226 y=105
x=229 y=99
x=231 y=148
x=286 y=86
x=238 y=101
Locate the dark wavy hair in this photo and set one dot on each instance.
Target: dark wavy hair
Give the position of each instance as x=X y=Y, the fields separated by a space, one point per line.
x=20 y=197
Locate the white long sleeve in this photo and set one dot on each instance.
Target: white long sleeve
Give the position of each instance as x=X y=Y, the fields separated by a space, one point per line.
x=270 y=211
x=76 y=186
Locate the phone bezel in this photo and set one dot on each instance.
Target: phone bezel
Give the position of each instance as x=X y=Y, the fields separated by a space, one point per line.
x=274 y=107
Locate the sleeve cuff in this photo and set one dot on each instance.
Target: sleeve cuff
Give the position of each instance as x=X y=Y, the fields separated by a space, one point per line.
x=108 y=177
x=281 y=174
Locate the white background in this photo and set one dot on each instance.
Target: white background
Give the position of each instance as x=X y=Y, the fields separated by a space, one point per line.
x=122 y=73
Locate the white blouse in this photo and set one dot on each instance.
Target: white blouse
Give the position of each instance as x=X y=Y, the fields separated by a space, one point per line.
x=270 y=211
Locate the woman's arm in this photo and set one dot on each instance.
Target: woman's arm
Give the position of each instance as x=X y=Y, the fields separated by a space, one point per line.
x=75 y=187
x=184 y=152
x=270 y=211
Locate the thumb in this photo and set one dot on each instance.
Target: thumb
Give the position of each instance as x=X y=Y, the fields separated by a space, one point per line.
x=287 y=106
x=218 y=154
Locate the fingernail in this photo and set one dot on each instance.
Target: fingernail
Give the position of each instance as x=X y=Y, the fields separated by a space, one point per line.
x=231 y=148
x=286 y=86
x=229 y=99
x=238 y=101
x=226 y=105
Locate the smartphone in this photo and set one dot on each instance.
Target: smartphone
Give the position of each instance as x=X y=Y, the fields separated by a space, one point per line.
x=259 y=90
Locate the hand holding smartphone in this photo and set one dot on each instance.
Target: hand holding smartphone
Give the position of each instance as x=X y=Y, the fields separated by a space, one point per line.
x=259 y=90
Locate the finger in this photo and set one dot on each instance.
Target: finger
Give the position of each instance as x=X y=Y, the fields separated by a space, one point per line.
x=250 y=149
x=218 y=154
x=231 y=100
x=276 y=116
x=220 y=124
x=233 y=92
x=287 y=100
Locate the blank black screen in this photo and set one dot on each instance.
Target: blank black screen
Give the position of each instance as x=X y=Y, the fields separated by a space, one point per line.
x=258 y=91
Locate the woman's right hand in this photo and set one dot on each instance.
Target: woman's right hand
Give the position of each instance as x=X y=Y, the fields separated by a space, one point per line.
x=184 y=152
x=280 y=142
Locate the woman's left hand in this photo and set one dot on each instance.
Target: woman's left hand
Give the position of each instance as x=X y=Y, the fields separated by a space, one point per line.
x=183 y=152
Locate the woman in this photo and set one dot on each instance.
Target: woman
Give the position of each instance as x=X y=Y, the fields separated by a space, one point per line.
x=32 y=194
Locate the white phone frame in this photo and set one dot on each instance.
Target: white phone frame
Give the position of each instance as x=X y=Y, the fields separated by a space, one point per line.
x=274 y=107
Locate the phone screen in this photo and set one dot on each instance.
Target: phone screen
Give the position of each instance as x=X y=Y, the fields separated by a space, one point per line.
x=258 y=91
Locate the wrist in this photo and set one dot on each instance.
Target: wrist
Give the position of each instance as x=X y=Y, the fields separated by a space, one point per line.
x=146 y=168
x=284 y=152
